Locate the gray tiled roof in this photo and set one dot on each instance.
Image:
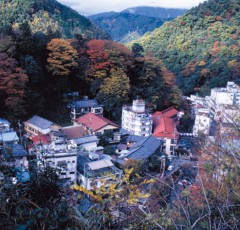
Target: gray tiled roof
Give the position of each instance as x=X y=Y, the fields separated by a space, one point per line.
x=144 y=148
x=40 y=122
x=85 y=103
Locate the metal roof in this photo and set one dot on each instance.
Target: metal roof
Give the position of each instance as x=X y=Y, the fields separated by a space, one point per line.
x=40 y=122
x=85 y=139
x=100 y=164
x=4 y=121
x=143 y=148
x=9 y=137
x=85 y=103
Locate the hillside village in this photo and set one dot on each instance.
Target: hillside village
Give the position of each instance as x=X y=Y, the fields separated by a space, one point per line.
x=94 y=147
x=99 y=134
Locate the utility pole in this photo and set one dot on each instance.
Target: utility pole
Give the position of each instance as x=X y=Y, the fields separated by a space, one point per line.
x=20 y=131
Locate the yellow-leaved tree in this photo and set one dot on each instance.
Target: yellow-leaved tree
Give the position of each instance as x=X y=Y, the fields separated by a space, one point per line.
x=62 y=57
x=111 y=199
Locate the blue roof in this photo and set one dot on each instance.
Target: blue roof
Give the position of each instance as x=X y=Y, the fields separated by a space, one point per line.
x=85 y=103
x=135 y=138
x=22 y=175
x=40 y=122
x=144 y=148
x=14 y=151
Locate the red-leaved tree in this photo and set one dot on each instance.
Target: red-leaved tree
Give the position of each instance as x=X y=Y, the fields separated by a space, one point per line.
x=13 y=83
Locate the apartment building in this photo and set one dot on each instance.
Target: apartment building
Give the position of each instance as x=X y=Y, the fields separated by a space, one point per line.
x=136 y=120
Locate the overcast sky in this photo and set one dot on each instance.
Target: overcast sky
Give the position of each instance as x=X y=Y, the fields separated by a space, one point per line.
x=96 y=6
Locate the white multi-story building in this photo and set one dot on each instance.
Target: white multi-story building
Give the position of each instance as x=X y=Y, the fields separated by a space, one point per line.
x=63 y=160
x=136 y=120
x=223 y=106
x=202 y=122
x=226 y=96
x=56 y=155
x=224 y=103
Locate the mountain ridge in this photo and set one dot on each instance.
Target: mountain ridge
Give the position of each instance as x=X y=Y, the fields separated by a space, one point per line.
x=42 y=15
x=159 y=12
x=119 y=25
x=201 y=47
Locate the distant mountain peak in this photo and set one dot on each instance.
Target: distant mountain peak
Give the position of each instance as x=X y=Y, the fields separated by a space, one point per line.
x=159 y=12
x=133 y=22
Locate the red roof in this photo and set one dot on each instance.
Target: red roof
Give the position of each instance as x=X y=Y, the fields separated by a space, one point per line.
x=94 y=121
x=170 y=112
x=72 y=132
x=43 y=139
x=165 y=128
x=163 y=124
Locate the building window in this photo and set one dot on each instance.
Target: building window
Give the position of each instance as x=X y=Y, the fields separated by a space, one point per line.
x=72 y=173
x=61 y=163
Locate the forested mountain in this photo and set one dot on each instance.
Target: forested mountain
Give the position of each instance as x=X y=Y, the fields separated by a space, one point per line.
x=158 y=12
x=41 y=60
x=202 y=47
x=124 y=26
x=47 y=16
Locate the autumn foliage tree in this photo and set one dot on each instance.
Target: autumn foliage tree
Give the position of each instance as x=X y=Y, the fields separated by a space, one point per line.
x=62 y=57
x=114 y=91
x=153 y=82
x=13 y=82
x=112 y=201
x=105 y=55
x=107 y=75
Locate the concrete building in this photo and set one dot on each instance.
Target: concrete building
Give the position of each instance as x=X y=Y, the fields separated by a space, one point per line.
x=136 y=120
x=96 y=172
x=224 y=104
x=63 y=160
x=202 y=122
x=86 y=143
